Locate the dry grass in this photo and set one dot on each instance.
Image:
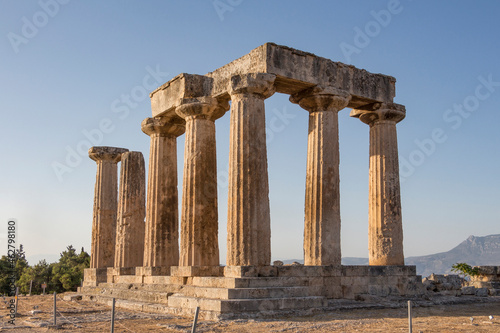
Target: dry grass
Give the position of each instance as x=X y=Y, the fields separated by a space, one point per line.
x=82 y=316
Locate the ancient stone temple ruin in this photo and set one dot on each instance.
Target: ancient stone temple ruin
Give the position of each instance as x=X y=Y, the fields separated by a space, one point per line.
x=142 y=263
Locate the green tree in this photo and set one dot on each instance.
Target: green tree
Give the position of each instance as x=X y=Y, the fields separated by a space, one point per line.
x=21 y=262
x=39 y=273
x=6 y=269
x=465 y=270
x=5 y=272
x=62 y=276
x=68 y=272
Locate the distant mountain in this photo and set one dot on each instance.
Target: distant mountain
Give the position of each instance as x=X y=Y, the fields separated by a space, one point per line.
x=354 y=261
x=474 y=251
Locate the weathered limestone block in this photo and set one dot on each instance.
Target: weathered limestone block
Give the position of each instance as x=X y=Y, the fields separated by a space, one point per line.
x=322 y=207
x=487 y=273
x=93 y=276
x=249 y=222
x=161 y=244
x=469 y=290
x=354 y=270
x=199 y=220
x=482 y=292
x=412 y=285
x=391 y=270
x=131 y=212
x=441 y=283
x=494 y=292
x=489 y=277
x=332 y=287
x=293 y=67
x=190 y=271
x=110 y=273
x=102 y=252
x=383 y=290
x=147 y=271
x=168 y=96
x=385 y=240
x=250 y=271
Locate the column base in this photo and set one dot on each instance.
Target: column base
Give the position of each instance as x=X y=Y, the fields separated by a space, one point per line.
x=153 y=271
x=122 y=275
x=93 y=276
x=189 y=271
x=121 y=270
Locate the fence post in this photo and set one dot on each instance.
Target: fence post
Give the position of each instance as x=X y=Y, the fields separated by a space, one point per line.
x=193 y=330
x=55 y=307
x=409 y=317
x=113 y=316
x=31 y=285
x=17 y=297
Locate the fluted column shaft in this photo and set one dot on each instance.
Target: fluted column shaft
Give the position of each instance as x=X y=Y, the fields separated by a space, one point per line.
x=199 y=219
x=161 y=243
x=385 y=235
x=249 y=226
x=131 y=211
x=322 y=212
x=102 y=251
x=322 y=243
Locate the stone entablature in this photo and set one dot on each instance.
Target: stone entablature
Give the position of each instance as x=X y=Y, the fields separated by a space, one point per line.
x=295 y=71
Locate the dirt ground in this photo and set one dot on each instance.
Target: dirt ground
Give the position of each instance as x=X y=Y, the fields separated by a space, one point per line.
x=83 y=316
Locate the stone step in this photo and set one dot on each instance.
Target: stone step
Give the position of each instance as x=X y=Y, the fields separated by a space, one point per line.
x=142 y=286
x=257 y=282
x=251 y=293
x=130 y=294
x=150 y=293
x=150 y=307
x=246 y=305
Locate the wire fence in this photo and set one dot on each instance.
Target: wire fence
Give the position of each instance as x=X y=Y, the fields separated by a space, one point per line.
x=37 y=311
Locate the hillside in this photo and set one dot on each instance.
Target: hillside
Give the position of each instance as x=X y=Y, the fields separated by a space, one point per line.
x=474 y=251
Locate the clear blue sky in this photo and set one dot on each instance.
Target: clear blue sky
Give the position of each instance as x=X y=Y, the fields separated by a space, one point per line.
x=64 y=69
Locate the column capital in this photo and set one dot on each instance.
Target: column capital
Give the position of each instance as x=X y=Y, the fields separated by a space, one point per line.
x=205 y=107
x=376 y=112
x=104 y=153
x=160 y=126
x=253 y=83
x=321 y=98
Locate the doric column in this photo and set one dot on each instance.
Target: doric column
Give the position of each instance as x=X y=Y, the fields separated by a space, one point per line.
x=102 y=252
x=248 y=218
x=161 y=245
x=385 y=231
x=131 y=211
x=199 y=217
x=322 y=204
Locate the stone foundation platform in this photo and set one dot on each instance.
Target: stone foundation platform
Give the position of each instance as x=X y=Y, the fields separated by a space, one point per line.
x=246 y=291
